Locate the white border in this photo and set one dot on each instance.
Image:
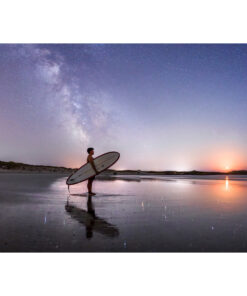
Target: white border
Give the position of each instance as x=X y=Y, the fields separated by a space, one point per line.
x=123 y=274
x=122 y=22
x=128 y=21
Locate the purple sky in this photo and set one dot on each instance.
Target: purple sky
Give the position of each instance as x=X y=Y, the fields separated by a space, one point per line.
x=162 y=107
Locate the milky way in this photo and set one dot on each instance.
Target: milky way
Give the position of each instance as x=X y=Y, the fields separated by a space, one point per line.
x=160 y=106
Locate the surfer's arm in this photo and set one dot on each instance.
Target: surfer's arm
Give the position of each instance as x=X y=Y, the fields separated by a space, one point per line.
x=92 y=164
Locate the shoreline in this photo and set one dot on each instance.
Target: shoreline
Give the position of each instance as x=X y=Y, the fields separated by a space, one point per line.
x=4 y=171
x=116 y=175
x=113 y=173
x=16 y=167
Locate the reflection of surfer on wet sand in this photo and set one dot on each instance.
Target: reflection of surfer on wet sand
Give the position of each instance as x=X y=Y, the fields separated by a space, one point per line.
x=90 y=220
x=91 y=211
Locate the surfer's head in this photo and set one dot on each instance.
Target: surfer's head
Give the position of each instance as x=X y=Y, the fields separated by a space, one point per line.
x=90 y=150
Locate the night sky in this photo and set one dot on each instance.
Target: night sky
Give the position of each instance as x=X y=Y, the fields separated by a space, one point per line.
x=163 y=107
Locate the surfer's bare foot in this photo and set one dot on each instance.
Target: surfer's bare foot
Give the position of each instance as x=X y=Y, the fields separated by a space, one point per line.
x=91 y=193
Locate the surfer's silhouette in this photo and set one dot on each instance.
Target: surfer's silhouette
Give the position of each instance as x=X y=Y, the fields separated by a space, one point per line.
x=90 y=151
x=90 y=220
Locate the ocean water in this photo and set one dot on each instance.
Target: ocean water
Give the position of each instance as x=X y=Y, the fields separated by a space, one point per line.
x=152 y=214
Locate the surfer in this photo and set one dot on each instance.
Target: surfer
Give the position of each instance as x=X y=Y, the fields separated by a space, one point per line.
x=90 y=151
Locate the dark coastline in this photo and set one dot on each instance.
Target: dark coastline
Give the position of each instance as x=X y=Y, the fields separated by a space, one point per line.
x=194 y=172
x=22 y=167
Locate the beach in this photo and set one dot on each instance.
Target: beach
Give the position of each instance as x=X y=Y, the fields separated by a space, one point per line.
x=128 y=214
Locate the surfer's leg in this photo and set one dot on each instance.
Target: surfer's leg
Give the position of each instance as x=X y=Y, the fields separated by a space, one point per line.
x=89 y=185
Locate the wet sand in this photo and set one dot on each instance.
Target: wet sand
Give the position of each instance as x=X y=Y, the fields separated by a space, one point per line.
x=128 y=214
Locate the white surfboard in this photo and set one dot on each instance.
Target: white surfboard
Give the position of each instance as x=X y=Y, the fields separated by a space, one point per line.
x=102 y=163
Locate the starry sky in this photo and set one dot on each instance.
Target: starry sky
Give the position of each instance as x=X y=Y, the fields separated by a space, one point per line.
x=162 y=106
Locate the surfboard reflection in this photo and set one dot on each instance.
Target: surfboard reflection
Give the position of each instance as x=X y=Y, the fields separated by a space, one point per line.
x=90 y=220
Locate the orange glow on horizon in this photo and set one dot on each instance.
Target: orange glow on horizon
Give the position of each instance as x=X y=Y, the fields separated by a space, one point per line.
x=226 y=160
x=218 y=159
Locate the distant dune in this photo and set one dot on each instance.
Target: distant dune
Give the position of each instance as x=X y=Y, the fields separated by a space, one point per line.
x=11 y=166
x=194 y=172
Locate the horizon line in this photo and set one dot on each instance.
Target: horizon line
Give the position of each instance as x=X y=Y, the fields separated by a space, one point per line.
x=136 y=170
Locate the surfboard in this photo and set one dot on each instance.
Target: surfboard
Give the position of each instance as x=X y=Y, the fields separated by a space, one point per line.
x=102 y=163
